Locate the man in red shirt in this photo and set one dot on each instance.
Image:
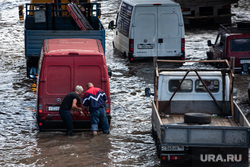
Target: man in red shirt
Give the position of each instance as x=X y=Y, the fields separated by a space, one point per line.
x=94 y=100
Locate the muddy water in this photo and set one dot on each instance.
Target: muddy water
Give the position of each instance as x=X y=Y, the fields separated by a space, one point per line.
x=130 y=142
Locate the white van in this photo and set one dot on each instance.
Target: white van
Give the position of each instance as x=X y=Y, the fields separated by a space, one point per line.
x=147 y=28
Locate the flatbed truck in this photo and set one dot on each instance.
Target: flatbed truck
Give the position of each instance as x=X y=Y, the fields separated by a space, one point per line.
x=195 y=119
x=53 y=20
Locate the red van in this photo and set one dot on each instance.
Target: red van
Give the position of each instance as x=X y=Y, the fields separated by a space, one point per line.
x=65 y=63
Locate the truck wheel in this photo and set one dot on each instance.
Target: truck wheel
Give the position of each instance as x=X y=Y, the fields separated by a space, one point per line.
x=209 y=55
x=124 y=55
x=199 y=118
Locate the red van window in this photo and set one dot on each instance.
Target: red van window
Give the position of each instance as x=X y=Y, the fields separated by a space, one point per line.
x=58 y=83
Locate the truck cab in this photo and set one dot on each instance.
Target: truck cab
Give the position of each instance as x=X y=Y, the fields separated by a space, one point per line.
x=65 y=63
x=192 y=93
x=232 y=41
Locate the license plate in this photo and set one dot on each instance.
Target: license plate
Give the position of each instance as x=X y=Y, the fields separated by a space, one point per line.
x=145 y=46
x=172 y=148
x=244 y=61
x=53 y=108
x=186 y=12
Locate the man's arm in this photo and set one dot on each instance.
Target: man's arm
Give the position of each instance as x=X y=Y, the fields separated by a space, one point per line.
x=74 y=106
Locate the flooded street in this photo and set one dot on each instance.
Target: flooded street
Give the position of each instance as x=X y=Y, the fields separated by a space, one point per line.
x=129 y=143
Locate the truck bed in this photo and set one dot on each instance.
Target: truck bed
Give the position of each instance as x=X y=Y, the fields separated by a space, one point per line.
x=222 y=132
x=215 y=121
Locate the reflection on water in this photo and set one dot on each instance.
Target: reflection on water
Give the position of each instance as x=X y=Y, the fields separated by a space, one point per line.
x=82 y=149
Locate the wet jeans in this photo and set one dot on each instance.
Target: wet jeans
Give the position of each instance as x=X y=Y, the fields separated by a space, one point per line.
x=99 y=115
x=67 y=119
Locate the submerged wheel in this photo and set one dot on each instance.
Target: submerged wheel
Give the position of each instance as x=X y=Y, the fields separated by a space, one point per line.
x=124 y=55
x=199 y=118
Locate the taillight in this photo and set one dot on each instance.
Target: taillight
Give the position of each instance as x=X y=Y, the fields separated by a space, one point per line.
x=131 y=45
x=172 y=157
x=107 y=107
x=182 y=44
x=40 y=124
x=40 y=108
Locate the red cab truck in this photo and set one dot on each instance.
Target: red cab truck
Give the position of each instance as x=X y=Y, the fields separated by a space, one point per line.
x=65 y=63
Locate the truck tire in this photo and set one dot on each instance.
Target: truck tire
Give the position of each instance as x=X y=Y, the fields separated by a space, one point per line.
x=199 y=118
x=209 y=55
x=124 y=55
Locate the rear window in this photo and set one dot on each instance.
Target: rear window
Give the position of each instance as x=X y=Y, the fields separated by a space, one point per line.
x=240 y=45
x=186 y=85
x=213 y=85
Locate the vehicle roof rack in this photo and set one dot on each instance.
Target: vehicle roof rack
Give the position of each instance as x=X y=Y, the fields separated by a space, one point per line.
x=239 y=27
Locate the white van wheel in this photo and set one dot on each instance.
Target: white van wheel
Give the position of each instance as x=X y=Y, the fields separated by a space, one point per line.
x=124 y=55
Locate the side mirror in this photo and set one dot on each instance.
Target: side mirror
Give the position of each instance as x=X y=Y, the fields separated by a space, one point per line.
x=112 y=25
x=20 y=8
x=148 y=92
x=209 y=43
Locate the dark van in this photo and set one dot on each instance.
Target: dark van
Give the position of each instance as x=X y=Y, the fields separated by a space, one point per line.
x=65 y=63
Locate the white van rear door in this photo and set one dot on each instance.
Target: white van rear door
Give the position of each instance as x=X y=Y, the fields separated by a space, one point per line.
x=145 y=31
x=157 y=31
x=169 y=31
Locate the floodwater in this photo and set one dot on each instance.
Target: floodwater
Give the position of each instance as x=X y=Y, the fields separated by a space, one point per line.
x=129 y=143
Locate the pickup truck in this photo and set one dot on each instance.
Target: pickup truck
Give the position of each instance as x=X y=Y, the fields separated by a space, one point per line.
x=214 y=11
x=195 y=119
x=55 y=20
x=232 y=41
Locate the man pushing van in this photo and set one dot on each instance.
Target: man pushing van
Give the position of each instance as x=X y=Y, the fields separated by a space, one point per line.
x=94 y=100
x=69 y=102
